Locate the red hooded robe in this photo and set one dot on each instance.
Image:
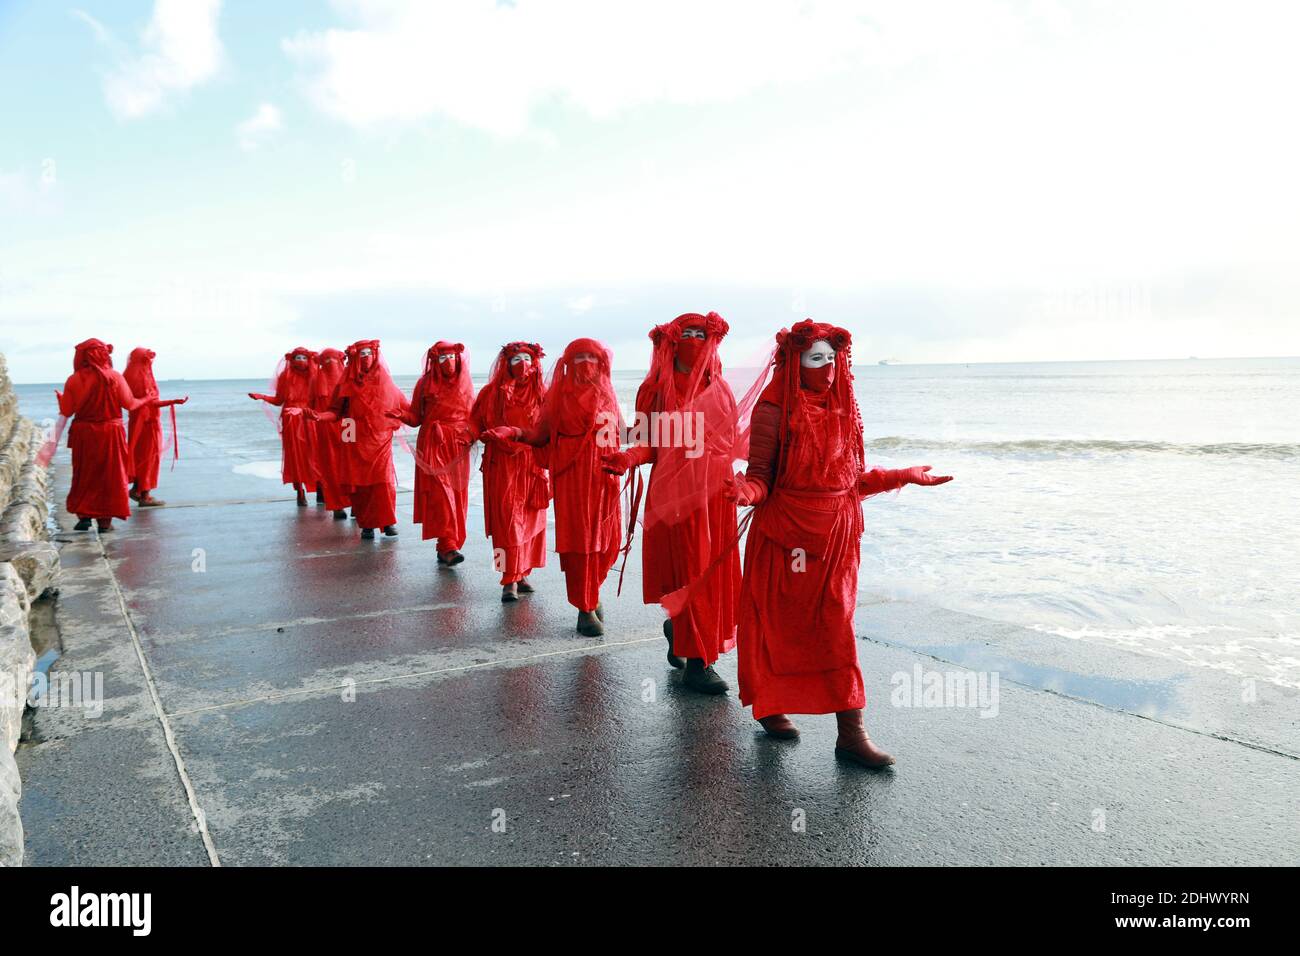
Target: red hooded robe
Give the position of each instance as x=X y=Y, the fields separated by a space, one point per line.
x=440 y=406
x=93 y=397
x=516 y=489
x=798 y=653
x=144 y=434
x=690 y=522
x=368 y=406
x=293 y=393
x=580 y=421
x=329 y=435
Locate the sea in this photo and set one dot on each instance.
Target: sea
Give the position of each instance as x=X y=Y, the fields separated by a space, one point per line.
x=1150 y=505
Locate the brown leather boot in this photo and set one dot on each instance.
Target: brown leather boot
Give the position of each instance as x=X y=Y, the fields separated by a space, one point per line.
x=779 y=726
x=854 y=744
x=589 y=625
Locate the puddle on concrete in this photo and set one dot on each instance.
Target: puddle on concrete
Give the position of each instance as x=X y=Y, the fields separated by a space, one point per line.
x=1150 y=698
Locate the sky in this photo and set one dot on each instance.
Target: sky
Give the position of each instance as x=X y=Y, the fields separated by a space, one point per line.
x=951 y=180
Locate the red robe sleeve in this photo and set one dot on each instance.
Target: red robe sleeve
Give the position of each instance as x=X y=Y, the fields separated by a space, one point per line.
x=538 y=435
x=409 y=412
x=74 y=393
x=764 y=442
x=876 y=480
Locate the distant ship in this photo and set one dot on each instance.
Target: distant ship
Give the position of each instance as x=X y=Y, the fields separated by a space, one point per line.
x=888 y=362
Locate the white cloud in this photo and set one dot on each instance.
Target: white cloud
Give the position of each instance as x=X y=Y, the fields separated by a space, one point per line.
x=490 y=65
x=178 y=50
x=255 y=130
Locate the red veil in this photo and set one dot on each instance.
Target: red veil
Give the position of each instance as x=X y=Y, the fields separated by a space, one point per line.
x=329 y=372
x=838 y=406
x=139 y=373
x=447 y=399
x=491 y=400
x=451 y=397
x=702 y=407
x=579 y=402
x=371 y=393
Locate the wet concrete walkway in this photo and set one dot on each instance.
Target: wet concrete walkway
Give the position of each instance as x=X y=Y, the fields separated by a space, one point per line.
x=277 y=691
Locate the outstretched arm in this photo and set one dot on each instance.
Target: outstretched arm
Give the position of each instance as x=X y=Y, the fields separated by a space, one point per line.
x=619 y=462
x=125 y=397
x=876 y=480
x=537 y=436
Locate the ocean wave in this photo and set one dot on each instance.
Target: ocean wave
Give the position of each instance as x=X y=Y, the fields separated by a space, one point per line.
x=1277 y=451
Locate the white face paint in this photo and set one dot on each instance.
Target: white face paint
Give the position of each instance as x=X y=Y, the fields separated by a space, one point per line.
x=521 y=357
x=693 y=333
x=300 y=358
x=365 y=352
x=446 y=356
x=818 y=354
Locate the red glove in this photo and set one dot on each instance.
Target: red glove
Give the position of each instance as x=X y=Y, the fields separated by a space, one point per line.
x=616 y=462
x=504 y=433
x=920 y=475
x=746 y=490
x=876 y=480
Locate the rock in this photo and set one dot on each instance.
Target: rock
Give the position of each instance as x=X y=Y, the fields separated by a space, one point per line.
x=16 y=655
x=29 y=566
x=11 y=826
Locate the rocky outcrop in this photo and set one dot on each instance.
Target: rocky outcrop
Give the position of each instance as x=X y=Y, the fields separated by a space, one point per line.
x=29 y=566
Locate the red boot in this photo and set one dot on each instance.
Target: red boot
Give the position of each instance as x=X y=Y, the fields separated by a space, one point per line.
x=779 y=726
x=854 y=744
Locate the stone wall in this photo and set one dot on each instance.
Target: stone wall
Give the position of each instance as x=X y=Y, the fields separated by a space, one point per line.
x=29 y=566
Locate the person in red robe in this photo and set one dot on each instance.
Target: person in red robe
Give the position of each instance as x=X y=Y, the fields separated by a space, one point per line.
x=329 y=435
x=144 y=429
x=440 y=406
x=293 y=395
x=686 y=426
x=368 y=407
x=806 y=479
x=516 y=488
x=579 y=422
x=94 y=397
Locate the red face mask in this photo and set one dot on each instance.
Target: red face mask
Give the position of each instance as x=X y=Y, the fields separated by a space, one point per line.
x=520 y=370
x=365 y=362
x=447 y=368
x=688 y=351
x=817 y=379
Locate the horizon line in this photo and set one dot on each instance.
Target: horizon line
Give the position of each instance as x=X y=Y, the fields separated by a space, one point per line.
x=882 y=363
